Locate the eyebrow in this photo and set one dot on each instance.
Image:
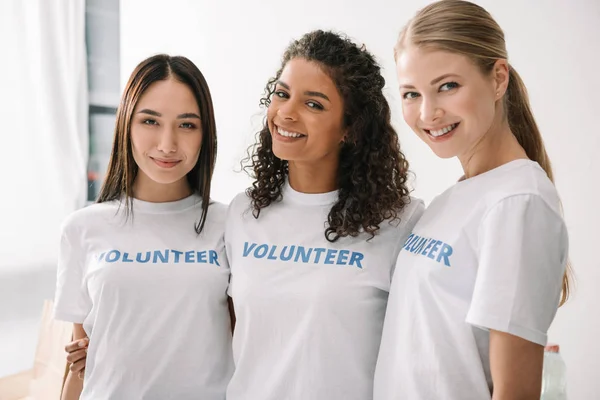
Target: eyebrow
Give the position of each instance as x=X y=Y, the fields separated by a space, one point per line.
x=307 y=93
x=440 y=78
x=157 y=114
x=433 y=82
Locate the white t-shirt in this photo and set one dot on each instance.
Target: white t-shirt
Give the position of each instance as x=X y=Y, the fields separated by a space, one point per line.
x=489 y=253
x=309 y=312
x=152 y=297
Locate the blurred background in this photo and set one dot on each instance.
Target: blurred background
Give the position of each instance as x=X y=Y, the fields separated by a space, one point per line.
x=65 y=62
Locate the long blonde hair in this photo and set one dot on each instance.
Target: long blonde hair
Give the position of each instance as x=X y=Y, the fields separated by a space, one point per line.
x=461 y=27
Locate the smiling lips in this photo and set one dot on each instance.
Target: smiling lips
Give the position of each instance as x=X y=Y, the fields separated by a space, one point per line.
x=443 y=132
x=286 y=135
x=165 y=162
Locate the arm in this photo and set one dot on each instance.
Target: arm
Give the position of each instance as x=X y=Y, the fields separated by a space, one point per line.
x=73 y=384
x=516 y=367
x=523 y=247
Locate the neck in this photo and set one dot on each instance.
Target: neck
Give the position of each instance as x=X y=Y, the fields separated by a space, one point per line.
x=146 y=189
x=306 y=177
x=497 y=147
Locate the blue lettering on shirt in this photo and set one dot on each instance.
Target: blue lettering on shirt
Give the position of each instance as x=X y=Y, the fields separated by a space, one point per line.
x=429 y=247
x=166 y=256
x=303 y=255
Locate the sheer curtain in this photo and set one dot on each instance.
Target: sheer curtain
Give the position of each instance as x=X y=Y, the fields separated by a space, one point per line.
x=43 y=157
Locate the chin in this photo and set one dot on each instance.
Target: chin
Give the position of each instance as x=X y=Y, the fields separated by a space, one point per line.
x=283 y=154
x=444 y=155
x=165 y=177
x=442 y=152
x=162 y=180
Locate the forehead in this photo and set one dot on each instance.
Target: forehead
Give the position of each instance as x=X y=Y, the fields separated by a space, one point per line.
x=169 y=94
x=418 y=66
x=302 y=74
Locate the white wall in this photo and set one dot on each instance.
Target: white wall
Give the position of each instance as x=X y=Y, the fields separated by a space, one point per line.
x=553 y=44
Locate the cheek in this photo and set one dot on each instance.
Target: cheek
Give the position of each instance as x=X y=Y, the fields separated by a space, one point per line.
x=138 y=144
x=193 y=145
x=411 y=116
x=478 y=107
x=329 y=133
x=271 y=112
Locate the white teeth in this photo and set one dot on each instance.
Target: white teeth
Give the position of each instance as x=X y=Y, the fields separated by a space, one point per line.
x=288 y=134
x=443 y=131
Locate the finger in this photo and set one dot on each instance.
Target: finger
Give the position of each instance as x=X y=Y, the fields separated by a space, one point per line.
x=76 y=345
x=77 y=366
x=80 y=374
x=77 y=355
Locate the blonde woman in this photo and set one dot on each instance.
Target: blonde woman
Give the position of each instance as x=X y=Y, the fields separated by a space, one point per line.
x=479 y=280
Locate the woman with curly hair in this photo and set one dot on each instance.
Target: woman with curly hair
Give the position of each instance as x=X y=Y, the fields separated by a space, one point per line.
x=313 y=242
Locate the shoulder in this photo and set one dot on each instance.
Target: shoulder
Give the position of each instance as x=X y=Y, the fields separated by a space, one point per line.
x=240 y=204
x=411 y=213
x=408 y=216
x=241 y=198
x=88 y=216
x=521 y=208
x=217 y=212
x=528 y=184
x=413 y=210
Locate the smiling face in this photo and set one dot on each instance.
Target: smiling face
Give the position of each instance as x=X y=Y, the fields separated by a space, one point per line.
x=446 y=99
x=306 y=113
x=166 y=135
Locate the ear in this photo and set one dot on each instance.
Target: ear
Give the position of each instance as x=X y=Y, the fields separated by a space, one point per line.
x=346 y=138
x=500 y=76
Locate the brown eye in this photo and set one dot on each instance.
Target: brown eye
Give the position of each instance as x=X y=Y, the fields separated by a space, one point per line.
x=281 y=94
x=314 y=105
x=188 y=125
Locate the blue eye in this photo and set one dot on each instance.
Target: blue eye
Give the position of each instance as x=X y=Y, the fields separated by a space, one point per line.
x=410 y=95
x=448 y=86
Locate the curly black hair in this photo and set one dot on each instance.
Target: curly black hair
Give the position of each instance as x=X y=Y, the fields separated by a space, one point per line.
x=372 y=171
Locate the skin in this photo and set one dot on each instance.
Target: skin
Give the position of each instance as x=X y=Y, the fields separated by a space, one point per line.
x=307 y=102
x=165 y=138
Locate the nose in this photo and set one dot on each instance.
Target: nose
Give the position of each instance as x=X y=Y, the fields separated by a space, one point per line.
x=287 y=111
x=168 y=141
x=430 y=111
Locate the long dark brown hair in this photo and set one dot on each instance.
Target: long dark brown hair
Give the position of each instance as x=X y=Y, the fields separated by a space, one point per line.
x=372 y=172
x=122 y=169
x=461 y=27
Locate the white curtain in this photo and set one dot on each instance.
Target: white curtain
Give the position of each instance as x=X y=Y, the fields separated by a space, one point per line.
x=43 y=125
x=43 y=158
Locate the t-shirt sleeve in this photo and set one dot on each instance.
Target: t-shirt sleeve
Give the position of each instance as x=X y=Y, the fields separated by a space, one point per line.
x=523 y=250
x=72 y=302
